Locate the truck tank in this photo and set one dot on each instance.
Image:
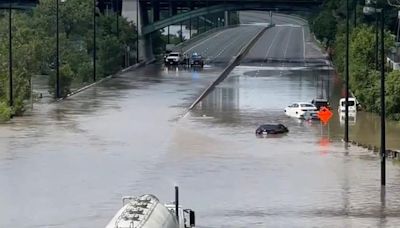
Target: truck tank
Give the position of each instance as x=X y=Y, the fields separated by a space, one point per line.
x=143 y=212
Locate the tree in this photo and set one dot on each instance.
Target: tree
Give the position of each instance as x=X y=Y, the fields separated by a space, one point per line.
x=324 y=27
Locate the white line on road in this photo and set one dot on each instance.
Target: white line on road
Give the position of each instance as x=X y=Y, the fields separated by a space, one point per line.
x=287 y=47
x=202 y=42
x=272 y=42
x=287 y=44
x=304 y=44
x=289 y=25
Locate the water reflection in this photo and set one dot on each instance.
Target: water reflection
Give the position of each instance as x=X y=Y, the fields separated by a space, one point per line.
x=352 y=118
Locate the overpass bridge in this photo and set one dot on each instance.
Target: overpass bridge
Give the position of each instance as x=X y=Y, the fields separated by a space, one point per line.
x=152 y=15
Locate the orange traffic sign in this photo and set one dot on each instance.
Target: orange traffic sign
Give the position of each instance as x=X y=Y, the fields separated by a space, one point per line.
x=325 y=114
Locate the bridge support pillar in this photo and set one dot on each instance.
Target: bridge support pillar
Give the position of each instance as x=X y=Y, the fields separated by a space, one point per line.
x=133 y=12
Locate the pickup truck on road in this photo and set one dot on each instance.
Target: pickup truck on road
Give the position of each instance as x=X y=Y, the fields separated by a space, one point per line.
x=174 y=58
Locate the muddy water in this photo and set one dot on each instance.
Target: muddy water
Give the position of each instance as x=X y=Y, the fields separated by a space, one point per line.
x=69 y=164
x=305 y=178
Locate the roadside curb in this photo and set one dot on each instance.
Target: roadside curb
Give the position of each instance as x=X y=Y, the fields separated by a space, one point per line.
x=231 y=65
x=102 y=80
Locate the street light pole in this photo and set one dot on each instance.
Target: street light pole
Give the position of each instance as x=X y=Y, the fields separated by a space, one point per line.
x=190 y=28
x=355 y=13
x=94 y=40
x=376 y=37
x=346 y=131
x=383 y=114
x=117 y=12
x=58 y=90
x=10 y=64
x=137 y=31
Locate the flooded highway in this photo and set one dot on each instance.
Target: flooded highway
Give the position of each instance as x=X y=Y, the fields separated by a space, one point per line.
x=69 y=163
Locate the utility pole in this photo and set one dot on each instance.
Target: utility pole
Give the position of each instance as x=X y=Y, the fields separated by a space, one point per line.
x=376 y=37
x=137 y=31
x=190 y=28
x=117 y=13
x=94 y=39
x=58 y=89
x=346 y=131
x=383 y=113
x=10 y=64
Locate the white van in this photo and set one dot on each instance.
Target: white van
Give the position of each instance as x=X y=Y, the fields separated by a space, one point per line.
x=352 y=105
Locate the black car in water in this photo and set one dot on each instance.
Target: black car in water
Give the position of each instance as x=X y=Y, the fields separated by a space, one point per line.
x=271 y=129
x=319 y=102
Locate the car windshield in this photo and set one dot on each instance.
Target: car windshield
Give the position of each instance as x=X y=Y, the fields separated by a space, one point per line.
x=321 y=103
x=306 y=105
x=174 y=54
x=351 y=103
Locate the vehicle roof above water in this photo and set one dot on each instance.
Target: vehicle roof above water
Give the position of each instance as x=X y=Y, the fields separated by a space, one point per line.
x=271 y=126
x=305 y=104
x=320 y=100
x=350 y=99
x=196 y=57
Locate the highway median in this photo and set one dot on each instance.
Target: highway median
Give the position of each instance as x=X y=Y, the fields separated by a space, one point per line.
x=227 y=70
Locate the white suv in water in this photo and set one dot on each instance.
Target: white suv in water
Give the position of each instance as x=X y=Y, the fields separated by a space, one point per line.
x=174 y=58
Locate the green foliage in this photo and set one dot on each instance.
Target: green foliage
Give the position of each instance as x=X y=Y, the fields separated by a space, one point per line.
x=5 y=112
x=393 y=94
x=109 y=55
x=324 y=27
x=158 y=41
x=34 y=47
x=364 y=79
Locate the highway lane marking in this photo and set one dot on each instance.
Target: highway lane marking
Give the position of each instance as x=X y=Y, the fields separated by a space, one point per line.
x=260 y=68
x=304 y=44
x=289 y=25
x=287 y=47
x=205 y=40
x=204 y=52
x=224 y=49
x=270 y=46
x=237 y=38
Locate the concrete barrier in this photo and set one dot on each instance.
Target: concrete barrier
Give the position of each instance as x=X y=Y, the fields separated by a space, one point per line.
x=231 y=65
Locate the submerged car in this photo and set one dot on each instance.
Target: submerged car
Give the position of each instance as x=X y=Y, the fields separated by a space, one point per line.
x=302 y=110
x=352 y=104
x=271 y=129
x=319 y=103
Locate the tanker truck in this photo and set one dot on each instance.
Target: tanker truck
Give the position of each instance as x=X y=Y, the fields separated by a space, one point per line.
x=147 y=211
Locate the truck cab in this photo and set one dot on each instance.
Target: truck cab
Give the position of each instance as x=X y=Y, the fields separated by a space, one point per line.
x=174 y=58
x=352 y=105
x=186 y=216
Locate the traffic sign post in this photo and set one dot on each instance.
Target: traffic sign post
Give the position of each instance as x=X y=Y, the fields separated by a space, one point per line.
x=325 y=115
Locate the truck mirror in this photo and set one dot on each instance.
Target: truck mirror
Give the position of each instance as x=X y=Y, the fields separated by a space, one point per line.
x=192 y=218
